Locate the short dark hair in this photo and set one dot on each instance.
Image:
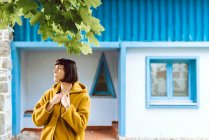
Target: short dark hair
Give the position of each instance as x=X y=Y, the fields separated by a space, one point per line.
x=70 y=69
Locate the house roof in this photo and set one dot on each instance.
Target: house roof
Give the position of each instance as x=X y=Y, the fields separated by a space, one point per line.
x=143 y=20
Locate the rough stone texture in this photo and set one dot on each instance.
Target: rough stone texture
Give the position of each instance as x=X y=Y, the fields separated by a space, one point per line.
x=17 y=138
x=2 y=123
x=2 y=102
x=5 y=35
x=3 y=77
x=3 y=87
x=6 y=64
x=4 y=49
x=0 y=34
x=7 y=136
x=8 y=113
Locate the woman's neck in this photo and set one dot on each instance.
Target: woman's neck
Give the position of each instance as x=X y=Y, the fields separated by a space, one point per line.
x=65 y=87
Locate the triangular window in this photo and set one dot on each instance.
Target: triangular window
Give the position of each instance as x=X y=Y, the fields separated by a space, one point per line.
x=103 y=85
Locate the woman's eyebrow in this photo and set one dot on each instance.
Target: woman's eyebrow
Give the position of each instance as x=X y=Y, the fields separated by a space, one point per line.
x=61 y=66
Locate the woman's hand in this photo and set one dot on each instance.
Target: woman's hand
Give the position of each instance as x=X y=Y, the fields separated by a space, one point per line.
x=56 y=99
x=65 y=101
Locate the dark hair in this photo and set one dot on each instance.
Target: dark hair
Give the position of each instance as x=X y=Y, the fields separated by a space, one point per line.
x=70 y=70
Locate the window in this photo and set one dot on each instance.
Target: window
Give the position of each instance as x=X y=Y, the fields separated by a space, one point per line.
x=171 y=82
x=103 y=85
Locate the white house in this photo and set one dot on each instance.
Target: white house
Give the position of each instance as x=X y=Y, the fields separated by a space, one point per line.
x=150 y=73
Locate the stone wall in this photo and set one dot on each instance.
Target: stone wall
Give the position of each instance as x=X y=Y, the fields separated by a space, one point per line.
x=5 y=86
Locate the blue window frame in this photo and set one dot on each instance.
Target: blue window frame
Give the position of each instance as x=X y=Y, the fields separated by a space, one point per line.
x=171 y=82
x=103 y=85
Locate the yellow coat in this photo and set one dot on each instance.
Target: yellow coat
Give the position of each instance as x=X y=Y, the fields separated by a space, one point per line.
x=59 y=123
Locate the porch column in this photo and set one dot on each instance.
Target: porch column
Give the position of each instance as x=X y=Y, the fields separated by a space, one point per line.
x=5 y=85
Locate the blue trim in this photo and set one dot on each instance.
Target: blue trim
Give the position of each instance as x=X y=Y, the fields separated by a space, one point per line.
x=122 y=91
x=169 y=80
x=191 y=101
x=28 y=115
x=108 y=79
x=167 y=45
x=114 y=45
x=148 y=81
x=54 y=46
x=15 y=90
x=103 y=93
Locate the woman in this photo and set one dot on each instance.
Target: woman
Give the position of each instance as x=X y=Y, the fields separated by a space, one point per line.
x=63 y=110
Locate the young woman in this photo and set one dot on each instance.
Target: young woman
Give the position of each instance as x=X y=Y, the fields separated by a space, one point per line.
x=63 y=110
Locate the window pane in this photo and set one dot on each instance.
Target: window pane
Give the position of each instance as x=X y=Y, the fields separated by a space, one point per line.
x=101 y=85
x=180 y=79
x=158 y=73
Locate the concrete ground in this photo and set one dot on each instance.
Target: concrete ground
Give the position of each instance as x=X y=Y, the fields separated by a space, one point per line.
x=90 y=135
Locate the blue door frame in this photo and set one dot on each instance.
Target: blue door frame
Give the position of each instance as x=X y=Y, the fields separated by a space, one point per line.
x=16 y=48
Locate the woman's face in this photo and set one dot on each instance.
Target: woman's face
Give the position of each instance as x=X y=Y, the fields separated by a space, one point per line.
x=58 y=73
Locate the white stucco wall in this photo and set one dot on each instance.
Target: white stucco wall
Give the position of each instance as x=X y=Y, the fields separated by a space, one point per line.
x=23 y=87
x=142 y=122
x=37 y=77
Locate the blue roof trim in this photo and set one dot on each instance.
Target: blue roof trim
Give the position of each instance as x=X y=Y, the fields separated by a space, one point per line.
x=54 y=46
x=108 y=79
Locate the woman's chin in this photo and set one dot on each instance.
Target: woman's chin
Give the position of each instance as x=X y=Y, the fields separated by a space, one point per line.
x=56 y=80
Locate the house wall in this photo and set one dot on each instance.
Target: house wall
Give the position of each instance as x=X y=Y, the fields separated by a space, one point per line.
x=143 y=122
x=37 y=77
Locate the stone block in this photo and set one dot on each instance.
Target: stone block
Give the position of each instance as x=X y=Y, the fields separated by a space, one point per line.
x=2 y=102
x=6 y=63
x=3 y=87
x=2 y=123
x=4 y=49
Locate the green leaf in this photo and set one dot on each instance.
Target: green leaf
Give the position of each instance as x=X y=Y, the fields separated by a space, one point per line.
x=29 y=15
x=73 y=47
x=50 y=9
x=73 y=2
x=89 y=20
x=35 y=18
x=60 y=39
x=85 y=49
x=8 y=8
x=57 y=29
x=94 y=3
x=45 y=30
x=16 y=19
x=92 y=39
x=67 y=22
x=84 y=27
x=27 y=5
x=75 y=16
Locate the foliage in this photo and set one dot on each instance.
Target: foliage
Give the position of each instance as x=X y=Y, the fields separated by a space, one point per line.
x=67 y=22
